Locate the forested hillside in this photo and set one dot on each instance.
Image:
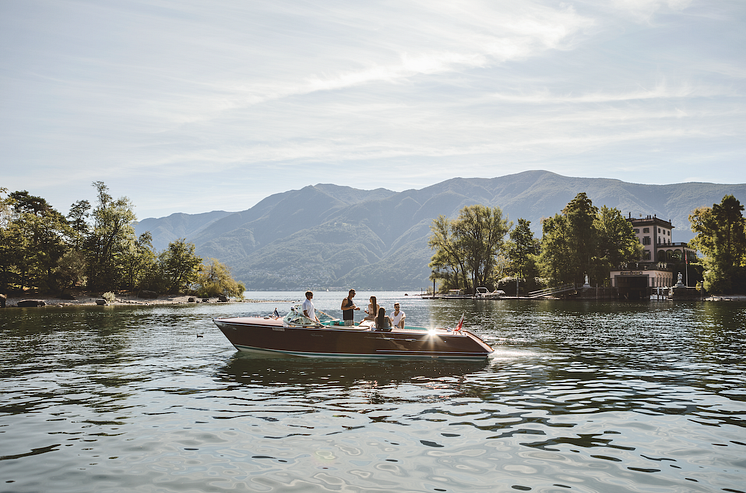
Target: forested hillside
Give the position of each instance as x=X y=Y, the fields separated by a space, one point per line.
x=327 y=236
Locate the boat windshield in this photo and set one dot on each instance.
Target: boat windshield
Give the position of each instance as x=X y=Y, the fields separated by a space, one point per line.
x=295 y=317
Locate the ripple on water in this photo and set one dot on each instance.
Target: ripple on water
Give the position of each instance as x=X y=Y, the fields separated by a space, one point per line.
x=578 y=397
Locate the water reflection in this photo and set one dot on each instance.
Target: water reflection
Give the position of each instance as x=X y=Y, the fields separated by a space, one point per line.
x=311 y=372
x=590 y=396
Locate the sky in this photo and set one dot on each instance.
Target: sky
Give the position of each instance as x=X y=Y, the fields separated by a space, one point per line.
x=200 y=105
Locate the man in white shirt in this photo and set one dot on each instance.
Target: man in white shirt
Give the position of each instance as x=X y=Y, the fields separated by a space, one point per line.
x=397 y=318
x=308 y=308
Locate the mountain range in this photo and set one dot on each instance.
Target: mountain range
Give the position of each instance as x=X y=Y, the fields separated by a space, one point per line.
x=328 y=236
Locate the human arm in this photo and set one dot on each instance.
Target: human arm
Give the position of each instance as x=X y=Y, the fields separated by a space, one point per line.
x=347 y=304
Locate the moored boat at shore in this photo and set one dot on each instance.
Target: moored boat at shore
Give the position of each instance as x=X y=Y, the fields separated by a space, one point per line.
x=296 y=335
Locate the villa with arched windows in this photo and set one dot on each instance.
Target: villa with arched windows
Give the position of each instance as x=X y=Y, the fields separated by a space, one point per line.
x=660 y=257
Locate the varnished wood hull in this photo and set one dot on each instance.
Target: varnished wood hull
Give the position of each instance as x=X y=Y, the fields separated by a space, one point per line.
x=269 y=335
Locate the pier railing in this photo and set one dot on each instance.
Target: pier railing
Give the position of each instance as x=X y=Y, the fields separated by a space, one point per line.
x=551 y=291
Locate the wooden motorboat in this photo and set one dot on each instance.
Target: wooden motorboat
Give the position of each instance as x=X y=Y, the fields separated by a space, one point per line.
x=296 y=335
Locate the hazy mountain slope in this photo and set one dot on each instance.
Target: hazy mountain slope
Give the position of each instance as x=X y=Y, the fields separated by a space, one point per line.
x=178 y=225
x=331 y=236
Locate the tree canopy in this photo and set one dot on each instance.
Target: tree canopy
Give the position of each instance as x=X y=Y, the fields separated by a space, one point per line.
x=523 y=253
x=94 y=248
x=215 y=280
x=585 y=240
x=466 y=248
x=721 y=237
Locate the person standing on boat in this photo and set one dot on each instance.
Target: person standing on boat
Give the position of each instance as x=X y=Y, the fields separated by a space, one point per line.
x=308 y=309
x=372 y=310
x=348 y=308
x=397 y=318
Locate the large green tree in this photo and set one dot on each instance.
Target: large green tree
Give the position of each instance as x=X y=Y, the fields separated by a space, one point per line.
x=215 y=279
x=466 y=248
x=111 y=237
x=447 y=263
x=180 y=266
x=523 y=252
x=569 y=242
x=40 y=232
x=140 y=262
x=617 y=242
x=77 y=218
x=10 y=240
x=721 y=237
x=95 y=249
x=585 y=240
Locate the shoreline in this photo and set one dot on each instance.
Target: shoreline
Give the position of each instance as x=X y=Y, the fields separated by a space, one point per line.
x=120 y=300
x=726 y=297
x=130 y=300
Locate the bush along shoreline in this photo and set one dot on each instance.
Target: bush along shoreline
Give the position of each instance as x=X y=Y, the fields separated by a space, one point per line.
x=108 y=298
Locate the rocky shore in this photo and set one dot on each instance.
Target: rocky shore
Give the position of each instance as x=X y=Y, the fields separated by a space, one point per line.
x=90 y=300
x=724 y=297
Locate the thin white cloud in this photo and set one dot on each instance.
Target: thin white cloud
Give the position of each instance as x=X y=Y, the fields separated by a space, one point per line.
x=645 y=10
x=659 y=92
x=161 y=93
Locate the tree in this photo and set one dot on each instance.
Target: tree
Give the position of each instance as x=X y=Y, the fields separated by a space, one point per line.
x=140 y=260
x=447 y=263
x=522 y=252
x=78 y=220
x=584 y=240
x=215 y=279
x=617 y=242
x=481 y=231
x=555 y=258
x=721 y=237
x=569 y=242
x=40 y=231
x=467 y=247
x=10 y=243
x=111 y=237
x=70 y=270
x=6 y=207
x=180 y=265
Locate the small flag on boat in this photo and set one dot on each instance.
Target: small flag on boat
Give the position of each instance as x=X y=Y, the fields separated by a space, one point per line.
x=276 y=314
x=460 y=323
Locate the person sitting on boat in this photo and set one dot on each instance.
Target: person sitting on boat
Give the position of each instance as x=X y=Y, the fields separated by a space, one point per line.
x=397 y=318
x=348 y=308
x=382 y=321
x=308 y=309
x=372 y=309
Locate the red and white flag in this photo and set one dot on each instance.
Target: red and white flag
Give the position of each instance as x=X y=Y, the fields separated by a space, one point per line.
x=460 y=323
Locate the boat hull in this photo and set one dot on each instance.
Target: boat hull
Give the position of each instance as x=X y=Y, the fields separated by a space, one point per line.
x=269 y=335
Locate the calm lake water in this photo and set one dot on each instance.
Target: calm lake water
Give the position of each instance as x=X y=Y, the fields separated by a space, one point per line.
x=579 y=397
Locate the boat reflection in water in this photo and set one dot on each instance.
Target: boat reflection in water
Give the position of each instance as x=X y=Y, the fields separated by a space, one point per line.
x=296 y=335
x=270 y=371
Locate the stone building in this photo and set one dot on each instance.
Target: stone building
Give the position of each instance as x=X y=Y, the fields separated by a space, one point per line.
x=660 y=256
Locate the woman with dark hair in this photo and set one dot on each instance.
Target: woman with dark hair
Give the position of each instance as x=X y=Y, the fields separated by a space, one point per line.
x=372 y=309
x=382 y=321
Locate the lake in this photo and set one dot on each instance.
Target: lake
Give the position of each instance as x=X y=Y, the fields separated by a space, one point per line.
x=578 y=397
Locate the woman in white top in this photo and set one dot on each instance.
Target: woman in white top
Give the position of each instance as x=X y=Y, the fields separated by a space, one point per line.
x=372 y=310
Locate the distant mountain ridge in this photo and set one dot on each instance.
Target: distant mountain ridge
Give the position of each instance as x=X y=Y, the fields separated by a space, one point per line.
x=326 y=236
x=178 y=225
